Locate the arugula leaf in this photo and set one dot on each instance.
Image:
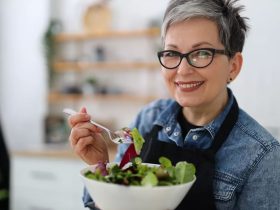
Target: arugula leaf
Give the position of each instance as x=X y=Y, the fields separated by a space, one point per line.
x=138 y=140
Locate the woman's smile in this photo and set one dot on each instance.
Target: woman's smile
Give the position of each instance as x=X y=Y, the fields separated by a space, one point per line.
x=188 y=86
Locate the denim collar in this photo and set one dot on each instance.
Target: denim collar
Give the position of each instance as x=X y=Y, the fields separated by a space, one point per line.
x=168 y=118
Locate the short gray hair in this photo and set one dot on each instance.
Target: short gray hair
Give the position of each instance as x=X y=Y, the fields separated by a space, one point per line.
x=225 y=13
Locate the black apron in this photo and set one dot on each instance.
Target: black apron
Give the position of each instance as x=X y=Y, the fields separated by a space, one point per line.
x=200 y=196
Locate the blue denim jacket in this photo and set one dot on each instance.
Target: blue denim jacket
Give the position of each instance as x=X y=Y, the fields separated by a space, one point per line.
x=247 y=171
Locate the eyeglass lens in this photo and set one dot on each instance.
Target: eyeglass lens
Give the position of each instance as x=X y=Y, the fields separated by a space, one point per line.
x=198 y=58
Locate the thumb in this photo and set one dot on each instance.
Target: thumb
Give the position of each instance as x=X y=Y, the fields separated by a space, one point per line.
x=83 y=110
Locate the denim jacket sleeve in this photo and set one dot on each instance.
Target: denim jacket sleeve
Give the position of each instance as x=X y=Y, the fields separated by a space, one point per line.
x=262 y=188
x=88 y=202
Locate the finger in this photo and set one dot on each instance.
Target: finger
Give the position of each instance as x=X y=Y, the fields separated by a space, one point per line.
x=84 y=110
x=87 y=125
x=83 y=144
x=81 y=130
x=78 y=118
x=78 y=133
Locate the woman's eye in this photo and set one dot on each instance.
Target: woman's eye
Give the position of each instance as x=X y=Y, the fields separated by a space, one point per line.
x=202 y=54
x=170 y=54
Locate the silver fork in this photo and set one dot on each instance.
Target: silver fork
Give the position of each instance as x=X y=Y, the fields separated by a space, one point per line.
x=117 y=139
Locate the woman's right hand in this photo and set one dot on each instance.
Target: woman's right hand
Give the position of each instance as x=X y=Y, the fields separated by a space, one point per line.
x=86 y=139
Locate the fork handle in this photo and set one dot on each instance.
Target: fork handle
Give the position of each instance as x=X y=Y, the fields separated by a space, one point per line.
x=98 y=125
x=72 y=112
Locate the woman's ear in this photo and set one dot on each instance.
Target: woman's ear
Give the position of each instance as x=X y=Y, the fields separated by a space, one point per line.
x=235 y=66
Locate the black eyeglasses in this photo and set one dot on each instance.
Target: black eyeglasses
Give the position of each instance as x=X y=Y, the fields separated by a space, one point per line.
x=199 y=58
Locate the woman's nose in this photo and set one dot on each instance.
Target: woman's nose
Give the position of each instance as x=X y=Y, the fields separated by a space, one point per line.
x=185 y=67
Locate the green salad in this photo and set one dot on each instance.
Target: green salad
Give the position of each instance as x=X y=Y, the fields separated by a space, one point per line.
x=138 y=174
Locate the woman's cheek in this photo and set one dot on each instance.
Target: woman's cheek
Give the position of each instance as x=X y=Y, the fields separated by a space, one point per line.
x=169 y=81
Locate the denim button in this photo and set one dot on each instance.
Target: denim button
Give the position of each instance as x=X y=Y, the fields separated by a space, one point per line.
x=195 y=137
x=168 y=128
x=176 y=134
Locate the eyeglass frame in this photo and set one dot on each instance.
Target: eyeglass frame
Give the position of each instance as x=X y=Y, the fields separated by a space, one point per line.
x=186 y=55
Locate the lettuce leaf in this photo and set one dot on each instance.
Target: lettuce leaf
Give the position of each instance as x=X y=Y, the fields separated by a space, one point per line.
x=138 y=140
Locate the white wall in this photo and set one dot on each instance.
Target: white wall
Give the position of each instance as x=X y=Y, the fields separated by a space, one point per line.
x=23 y=73
x=1 y=57
x=258 y=86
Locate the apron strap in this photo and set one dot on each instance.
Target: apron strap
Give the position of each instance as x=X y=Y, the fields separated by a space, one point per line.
x=226 y=127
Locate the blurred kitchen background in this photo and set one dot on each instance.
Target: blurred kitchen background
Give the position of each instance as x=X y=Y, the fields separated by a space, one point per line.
x=102 y=55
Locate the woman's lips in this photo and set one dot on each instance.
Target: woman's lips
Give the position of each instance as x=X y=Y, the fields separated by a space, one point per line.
x=189 y=86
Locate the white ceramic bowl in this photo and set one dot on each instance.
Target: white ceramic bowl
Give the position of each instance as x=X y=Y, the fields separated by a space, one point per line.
x=119 y=197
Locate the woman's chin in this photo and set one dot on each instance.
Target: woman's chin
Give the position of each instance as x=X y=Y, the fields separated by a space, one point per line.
x=187 y=101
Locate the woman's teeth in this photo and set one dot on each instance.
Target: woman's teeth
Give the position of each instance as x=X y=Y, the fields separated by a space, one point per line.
x=189 y=85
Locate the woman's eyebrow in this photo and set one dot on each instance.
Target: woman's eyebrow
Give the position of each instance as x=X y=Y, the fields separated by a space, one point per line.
x=196 y=45
x=201 y=43
x=172 y=46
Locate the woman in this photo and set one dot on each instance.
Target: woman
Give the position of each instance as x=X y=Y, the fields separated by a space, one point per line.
x=237 y=160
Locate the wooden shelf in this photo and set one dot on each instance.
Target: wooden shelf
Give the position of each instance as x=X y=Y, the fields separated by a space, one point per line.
x=61 y=66
x=151 y=32
x=55 y=97
x=81 y=66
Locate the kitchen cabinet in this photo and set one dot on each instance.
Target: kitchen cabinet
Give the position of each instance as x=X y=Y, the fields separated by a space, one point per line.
x=46 y=181
x=122 y=65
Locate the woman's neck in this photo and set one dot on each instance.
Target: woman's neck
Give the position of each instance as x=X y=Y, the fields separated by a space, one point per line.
x=202 y=115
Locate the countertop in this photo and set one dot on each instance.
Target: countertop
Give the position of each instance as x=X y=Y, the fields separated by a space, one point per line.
x=52 y=151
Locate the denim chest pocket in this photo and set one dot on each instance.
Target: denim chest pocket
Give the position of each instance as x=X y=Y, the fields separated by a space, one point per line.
x=224 y=187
